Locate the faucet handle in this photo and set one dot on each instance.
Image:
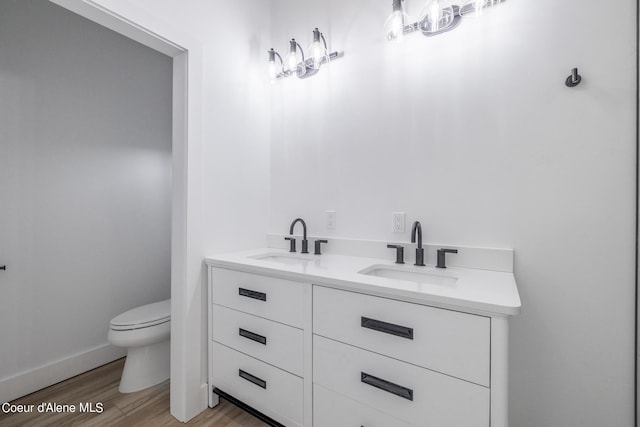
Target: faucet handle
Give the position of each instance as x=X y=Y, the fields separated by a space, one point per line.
x=442 y=256
x=292 y=243
x=317 y=244
x=399 y=253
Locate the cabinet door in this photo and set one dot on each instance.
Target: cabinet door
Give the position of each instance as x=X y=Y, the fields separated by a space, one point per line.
x=404 y=391
x=454 y=343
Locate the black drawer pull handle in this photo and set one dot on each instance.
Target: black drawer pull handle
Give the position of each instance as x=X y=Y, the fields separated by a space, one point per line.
x=252 y=336
x=398 y=390
x=252 y=294
x=387 y=328
x=252 y=379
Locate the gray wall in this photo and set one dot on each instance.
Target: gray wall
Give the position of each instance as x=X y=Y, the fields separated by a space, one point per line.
x=85 y=182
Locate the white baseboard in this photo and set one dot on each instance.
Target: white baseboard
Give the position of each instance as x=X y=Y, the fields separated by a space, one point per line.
x=36 y=379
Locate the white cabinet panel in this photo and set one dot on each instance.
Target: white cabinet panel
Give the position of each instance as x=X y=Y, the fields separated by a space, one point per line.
x=272 y=391
x=277 y=344
x=404 y=391
x=268 y=297
x=331 y=409
x=454 y=343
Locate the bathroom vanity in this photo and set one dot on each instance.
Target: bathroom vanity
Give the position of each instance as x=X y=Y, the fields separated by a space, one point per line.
x=337 y=340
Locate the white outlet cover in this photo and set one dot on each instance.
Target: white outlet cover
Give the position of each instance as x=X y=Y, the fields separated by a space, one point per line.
x=397 y=222
x=331 y=219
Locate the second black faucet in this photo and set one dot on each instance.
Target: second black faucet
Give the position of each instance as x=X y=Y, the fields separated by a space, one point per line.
x=292 y=240
x=419 y=250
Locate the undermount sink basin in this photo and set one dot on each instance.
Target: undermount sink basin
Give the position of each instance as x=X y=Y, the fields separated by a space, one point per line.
x=284 y=258
x=421 y=275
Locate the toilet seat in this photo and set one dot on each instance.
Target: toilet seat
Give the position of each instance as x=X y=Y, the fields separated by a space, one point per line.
x=138 y=326
x=145 y=316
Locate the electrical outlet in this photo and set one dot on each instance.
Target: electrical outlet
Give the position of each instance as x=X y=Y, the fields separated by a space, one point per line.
x=397 y=225
x=331 y=219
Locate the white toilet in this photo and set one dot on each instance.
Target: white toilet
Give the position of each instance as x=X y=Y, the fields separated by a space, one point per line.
x=145 y=332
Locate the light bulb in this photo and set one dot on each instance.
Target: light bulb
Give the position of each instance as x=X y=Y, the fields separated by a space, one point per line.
x=397 y=25
x=394 y=26
x=436 y=17
x=272 y=67
x=273 y=71
x=435 y=14
x=293 y=62
x=317 y=54
x=318 y=50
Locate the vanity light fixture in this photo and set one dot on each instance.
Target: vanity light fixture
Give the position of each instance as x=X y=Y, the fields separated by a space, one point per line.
x=318 y=50
x=436 y=17
x=273 y=69
x=396 y=23
x=294 y=62
x=299 y=65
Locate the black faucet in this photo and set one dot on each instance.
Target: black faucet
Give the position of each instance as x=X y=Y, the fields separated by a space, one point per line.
x=317 y=246
x=305 y=242
x=441 y=256
x=419 y=251
x=399 y=253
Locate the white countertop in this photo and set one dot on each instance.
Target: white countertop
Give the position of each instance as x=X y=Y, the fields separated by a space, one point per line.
x=481 y=291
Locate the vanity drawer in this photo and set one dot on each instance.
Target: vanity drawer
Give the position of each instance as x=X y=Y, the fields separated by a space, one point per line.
x=277 y=344
x=331 y=409
x=268 y=297
x=404 y=391
x=272 y=391
x=454 y=343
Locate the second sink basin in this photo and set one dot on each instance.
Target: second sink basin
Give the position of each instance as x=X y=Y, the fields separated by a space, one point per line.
x=422 y=275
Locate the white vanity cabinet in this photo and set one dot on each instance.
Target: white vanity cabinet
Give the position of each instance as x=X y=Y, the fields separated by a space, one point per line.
x=312 y=344
x=420 y=365
x=256 y=342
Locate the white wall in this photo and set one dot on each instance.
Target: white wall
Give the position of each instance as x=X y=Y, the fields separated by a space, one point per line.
x=85 y=182
x=227 y=181
x=475 y=134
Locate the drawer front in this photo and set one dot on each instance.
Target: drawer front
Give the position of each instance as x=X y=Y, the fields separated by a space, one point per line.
x=277 y=344
x=404 y=391
x=272 y=391
x=456 y=344
x=331 y=409
x=268 y=297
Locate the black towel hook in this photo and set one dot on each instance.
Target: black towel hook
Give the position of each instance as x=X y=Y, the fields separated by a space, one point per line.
x=574 y=79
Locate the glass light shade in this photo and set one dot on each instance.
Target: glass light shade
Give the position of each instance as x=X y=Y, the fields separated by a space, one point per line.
x=293 y=63
x=436 y=16
x=317 y=51
x=474 y=7
x=272 y=70
x=394 y=26
x=318 y=55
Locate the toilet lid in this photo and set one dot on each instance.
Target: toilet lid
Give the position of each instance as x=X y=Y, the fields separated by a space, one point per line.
x=158 y=312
